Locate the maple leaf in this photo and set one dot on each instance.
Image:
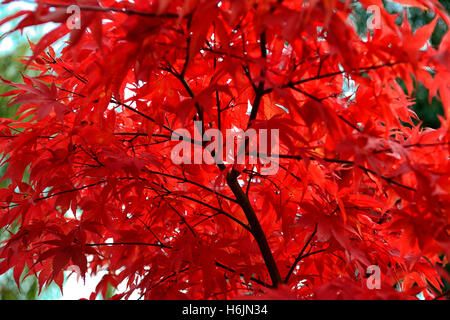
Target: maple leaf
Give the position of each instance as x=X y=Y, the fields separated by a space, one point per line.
x=37 y=93
x=93 y=185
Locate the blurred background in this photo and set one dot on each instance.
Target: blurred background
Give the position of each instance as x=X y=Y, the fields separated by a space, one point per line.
x=14 y=47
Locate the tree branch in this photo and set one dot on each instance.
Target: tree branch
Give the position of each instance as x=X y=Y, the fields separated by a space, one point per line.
x=255 y=227
x=259 y=92
x=119 y=10
x=128 y=244
x=300 y=255
x=260 y=282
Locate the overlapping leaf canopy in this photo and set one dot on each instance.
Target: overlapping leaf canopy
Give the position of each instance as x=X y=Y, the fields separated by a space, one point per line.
x=360 y=182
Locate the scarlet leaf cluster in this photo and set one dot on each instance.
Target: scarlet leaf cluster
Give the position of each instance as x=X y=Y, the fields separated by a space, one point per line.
x=361 y=183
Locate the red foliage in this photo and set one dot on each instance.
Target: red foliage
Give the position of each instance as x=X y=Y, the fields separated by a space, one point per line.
x=360 y=183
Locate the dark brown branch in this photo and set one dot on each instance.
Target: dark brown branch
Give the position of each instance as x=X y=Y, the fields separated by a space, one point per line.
x=188 y=49
x=16 y=136
x=259 y=92
x=182 y=218
x=418 y=145
x=349 y=123
x=184 y=179
x=219 y=211
x=165 y=279
x=446 y=294
x=290 y=84
x=260 y=282
x=115 y=101
x=300 y=255
x=128 y=244
x=118 y=10
x=182 y=79
x=246 y=227
x=148 y=228
x=71 y=190
x=255 y=227
x=367 y=170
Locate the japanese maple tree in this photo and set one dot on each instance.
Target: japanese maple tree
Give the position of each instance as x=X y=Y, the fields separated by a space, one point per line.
x=93 y=186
